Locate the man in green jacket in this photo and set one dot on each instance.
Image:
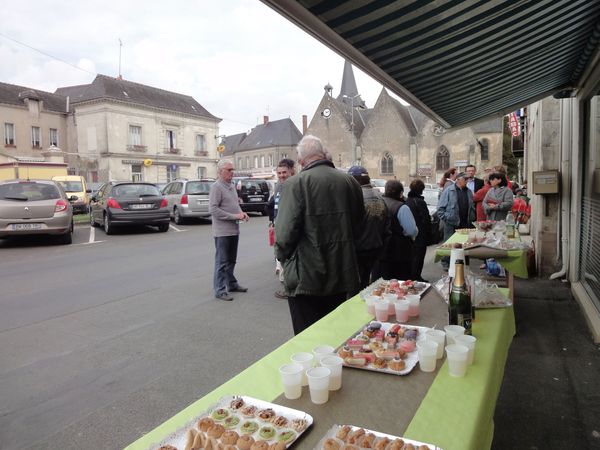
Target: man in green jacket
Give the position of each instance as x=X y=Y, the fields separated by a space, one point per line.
x=321 y=212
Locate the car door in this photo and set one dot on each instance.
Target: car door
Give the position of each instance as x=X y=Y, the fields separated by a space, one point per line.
x=94 y=204
x=166 y=191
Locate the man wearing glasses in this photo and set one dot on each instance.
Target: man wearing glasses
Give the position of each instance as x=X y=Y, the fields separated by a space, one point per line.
x=224 y=207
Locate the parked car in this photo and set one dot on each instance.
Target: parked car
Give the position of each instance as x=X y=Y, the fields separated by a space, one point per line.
x=253 y=194
x=187 y=199
x=128 y=203
x=378 y=184
x=75 y=185
x=35 y=207
x=431 y=198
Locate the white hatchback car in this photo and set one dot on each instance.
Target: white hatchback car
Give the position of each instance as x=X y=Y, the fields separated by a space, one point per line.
x=188 y=199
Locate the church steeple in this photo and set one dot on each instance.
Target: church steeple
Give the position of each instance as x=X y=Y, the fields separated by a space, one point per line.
x=349 y=92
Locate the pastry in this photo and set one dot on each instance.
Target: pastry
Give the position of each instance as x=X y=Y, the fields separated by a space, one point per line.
x=299 y=425
x=355 y=344
x=248 y=427
x=342 y=432
x=354 y=436
x=367 y=354
x=245 y=442
x=199 y=441
x=345 y=352
x=205 y=423
x=216 y=431
x=424 y=447
x=355 y=361
x=349 y=447
x=286 y=436
x=167 y=447
x=379 y=363
x=266 y=414
x=411 y=333
x=331 y=444
x=221 y=446
x=397 y=364
x=408 y=346
x=396 y=444
x=190 y=436
x=260 y=445
x=387 y=354
x=279 y=421
x=382 y=443
x=220 y=414
x=409 y=446
x=277 y=446
x=376 y=346
x=366 y=441
x=379 y=335
x=248 y=411
x=231 y=422
x=229 y=437
x=236 y=403
x=266 y=433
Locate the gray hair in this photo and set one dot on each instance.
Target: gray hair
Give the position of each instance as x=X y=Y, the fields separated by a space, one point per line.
x=221 y=164
x=310 y=146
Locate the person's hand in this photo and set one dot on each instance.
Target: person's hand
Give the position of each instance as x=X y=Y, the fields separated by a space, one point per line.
x=243 y=216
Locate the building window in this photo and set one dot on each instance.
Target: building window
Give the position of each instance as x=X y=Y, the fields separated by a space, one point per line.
x=239 y=164
x=201 y=172
x=9 y=134
x=135 y=135
x=171 y=139
x=247 y=165
x=36 y=137
x=270 y=160
x=200 y=143
x=255 y=162
x=136 y=173
x=387 y=164
x=53 y=137
x=172 y=172
x=442 y=159
x=484 y=146
x=262 y=160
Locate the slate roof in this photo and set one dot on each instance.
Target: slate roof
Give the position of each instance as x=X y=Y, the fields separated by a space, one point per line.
x=11 y=94
x=488 y=126
x=281 y=132
x=349 y=88
x=105 y=87
x=232 y=143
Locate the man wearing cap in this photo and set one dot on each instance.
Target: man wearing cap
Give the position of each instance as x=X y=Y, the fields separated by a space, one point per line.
x=376 y=227
x=456 y=207
x=321 y=213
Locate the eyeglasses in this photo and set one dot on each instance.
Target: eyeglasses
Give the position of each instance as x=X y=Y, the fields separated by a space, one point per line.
x=229 y=170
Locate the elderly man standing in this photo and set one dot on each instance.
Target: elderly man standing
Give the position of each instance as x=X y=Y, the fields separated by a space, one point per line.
x=456 y=207
x=320 y=217
x=224 y=207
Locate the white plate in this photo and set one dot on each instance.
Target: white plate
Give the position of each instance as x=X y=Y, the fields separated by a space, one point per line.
x=422 y=287
x=333 y=430
x=178 y=438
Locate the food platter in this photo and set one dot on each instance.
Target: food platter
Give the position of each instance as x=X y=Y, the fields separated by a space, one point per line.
x=238 y=422
x=374 y=348
x=401 y=288
x=339 y=436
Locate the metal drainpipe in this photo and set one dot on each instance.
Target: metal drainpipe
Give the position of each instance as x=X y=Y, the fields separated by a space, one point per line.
x=566 y=107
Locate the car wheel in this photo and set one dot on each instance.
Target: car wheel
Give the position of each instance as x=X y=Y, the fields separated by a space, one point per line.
x=177 y=217
x=163 y=227
x=108 y=227
x=92 y=221
x=67 y=238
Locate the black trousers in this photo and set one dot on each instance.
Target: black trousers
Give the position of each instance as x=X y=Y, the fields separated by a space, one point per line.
x=308 y=309
x=400 y=270
x=366 y=263
x=420 y=250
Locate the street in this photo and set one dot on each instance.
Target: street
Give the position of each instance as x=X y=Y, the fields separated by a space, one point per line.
x=107 y=338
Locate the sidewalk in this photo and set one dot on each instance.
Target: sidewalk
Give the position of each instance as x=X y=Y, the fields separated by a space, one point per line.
x=550 y=396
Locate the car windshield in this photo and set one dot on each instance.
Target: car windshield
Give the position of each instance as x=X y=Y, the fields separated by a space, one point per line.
x=431 y=196
x=198 y=187
x=28 y=191
x=72 y=186
x=252 y=186
x=378 y=183
x=124 y=190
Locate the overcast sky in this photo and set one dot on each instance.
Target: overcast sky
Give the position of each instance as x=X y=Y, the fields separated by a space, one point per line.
x=237 y=58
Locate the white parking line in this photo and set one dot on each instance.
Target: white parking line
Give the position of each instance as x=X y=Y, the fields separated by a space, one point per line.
x=92 y=234
x=175 y=228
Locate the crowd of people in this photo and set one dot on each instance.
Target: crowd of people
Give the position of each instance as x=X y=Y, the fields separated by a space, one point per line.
x=334 y=233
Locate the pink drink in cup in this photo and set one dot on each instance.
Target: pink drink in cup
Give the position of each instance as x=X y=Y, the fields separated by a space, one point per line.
x=402 y=311
x=382 y=310
x=413 y=305
x=370 y=300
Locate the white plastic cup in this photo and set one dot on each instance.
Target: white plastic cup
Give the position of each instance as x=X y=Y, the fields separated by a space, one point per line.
x=335 y=364
x=455 y=253
x=439 y=337
x=390 y=297
x=469 y=342
x=291 y=377
x=382 y=311
x=320 y=351
x=457 y=359
x=318 y=384
x=370 y=301
x=451 y=331
x=305 y=359
x=427 y=351
x=413 y=305
x=402 y=310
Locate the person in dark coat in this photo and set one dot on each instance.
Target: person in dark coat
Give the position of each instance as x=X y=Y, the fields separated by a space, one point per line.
x=418 y=206
x=473 y=182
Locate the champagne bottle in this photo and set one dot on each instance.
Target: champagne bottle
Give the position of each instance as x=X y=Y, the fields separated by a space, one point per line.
x=459 y=305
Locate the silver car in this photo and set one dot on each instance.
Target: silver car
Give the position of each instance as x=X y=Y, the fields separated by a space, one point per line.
x=188 y=199
x=35 y=207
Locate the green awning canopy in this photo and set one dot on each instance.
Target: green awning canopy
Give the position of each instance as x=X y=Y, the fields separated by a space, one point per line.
x=459 y=61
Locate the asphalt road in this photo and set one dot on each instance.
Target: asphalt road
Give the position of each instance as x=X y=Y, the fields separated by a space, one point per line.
x=104 y=339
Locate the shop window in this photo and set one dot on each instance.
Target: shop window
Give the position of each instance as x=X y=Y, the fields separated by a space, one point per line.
x=136 y=173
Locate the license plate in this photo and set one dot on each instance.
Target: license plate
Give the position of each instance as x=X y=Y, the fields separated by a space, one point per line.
x=256 y=199
x=201 y=201
x=26 y=226
x=141 y=206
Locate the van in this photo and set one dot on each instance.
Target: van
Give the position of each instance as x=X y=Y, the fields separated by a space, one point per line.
x=75 y=185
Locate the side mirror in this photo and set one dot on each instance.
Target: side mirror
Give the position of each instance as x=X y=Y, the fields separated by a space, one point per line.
x=88 y=191
x=73 y=198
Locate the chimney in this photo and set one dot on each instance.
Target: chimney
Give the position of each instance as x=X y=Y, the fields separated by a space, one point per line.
x=304 y=123
x=265 y=120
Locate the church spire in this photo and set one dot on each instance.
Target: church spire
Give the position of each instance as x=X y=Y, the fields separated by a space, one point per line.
x=349 y=92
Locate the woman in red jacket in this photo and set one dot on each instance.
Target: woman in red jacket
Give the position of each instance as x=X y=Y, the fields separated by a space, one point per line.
x=478 y=199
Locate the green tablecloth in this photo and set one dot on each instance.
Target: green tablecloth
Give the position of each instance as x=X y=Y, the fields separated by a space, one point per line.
x=515 y=261
x=455 y=414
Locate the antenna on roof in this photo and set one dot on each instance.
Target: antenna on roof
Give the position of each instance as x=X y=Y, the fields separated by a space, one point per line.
x=120 y=45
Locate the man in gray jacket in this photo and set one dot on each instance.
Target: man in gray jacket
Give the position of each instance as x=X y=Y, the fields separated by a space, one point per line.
x=456 y=207
x=224 y=207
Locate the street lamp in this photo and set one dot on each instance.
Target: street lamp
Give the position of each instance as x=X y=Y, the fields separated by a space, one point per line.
x=352 y=125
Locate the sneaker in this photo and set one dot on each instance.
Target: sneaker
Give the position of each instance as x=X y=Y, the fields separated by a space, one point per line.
x=238 y=288
x=281 y=294
x=224 y=296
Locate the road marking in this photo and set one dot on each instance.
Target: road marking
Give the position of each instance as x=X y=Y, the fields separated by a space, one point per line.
x=92 y=235
x=175 y=228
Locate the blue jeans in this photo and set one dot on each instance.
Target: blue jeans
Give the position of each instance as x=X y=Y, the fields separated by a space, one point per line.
x=225 y=259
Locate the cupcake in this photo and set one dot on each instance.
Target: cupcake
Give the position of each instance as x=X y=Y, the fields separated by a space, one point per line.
x=249 y=427
x=286 y=436
x=231 y=422
x=266 y=433
x=220 y=414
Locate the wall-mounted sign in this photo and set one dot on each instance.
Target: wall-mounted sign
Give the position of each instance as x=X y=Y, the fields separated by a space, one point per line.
x=424 y=170
x=147 y=162
x=545 y=182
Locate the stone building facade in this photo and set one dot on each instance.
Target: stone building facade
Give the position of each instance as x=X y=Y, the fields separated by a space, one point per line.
x=393 y=140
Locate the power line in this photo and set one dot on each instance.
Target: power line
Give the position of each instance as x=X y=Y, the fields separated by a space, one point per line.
x=45 y=54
